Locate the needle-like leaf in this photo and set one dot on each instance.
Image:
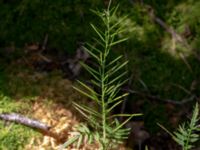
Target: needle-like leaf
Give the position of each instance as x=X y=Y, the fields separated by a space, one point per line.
x=88 y=110
x=85 y=93
x=113 y=106
x=92 y=54
x=93 y=48
x=69 y=142
x=116 y=68
x=107 y=80
x=117 y=78
x=88 y=88
x=119 y=41
x=125 y=115
x=99 y=33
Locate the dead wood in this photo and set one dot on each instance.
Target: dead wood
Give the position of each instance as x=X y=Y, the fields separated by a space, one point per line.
x=158 y=98
x=32 y=123
x=175 y=36
x=14 y=117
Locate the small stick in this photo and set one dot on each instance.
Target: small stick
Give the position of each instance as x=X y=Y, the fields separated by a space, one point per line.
x=45 y=42
x=175 y=36
x=41 y=127
x=44 y=58
x=13 y=117
x=153 y=97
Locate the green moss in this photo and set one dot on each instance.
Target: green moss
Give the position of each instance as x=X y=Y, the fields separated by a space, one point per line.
x=65 y=22
x=13 y=136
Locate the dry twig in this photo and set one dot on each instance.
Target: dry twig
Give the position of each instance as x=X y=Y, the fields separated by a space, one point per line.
x=153 y=97
x=13 y=117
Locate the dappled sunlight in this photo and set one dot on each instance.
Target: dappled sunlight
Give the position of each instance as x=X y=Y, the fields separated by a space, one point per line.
x=174 y=48
x=184 y=39
x=62 y=122
x=50 y=97
x=41 y=74
x=131 y=29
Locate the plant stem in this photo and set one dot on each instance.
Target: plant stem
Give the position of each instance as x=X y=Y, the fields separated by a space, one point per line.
x=103 y=100
x=103 y=80
x=187 y=140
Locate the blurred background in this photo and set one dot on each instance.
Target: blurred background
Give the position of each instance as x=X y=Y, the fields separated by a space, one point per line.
x=40 y=46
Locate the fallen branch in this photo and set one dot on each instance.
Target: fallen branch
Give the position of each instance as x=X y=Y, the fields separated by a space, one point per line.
x=35 y=124
x=175 y=36
x=153 y=97
x=13 y=117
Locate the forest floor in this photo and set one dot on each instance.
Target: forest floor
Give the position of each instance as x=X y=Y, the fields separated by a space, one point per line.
x=47 y=96
x=44 y=96
x=37 y=80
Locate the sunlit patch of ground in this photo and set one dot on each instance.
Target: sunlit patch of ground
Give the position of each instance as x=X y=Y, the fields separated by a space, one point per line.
x=62 y=122
x=60 y=116
x=52 y=106
x=47 y=97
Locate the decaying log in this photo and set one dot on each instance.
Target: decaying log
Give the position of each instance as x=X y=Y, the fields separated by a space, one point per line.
x=14 y=117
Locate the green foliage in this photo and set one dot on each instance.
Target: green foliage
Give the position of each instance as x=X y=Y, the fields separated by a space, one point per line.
x=149 y=51
x=6 y=104
x=26 y=21
x=82 y=135
x=108 y=131
x=14 y=136
x=149 y=48
x=185 y=19
x=149 y=45
x=187 y=135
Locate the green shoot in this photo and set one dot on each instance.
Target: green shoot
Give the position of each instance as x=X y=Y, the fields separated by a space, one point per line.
x=186 y=135
x=107 y=131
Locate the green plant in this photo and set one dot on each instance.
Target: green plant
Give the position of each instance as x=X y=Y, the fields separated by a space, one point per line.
x=186 y=134
x=105 y=129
